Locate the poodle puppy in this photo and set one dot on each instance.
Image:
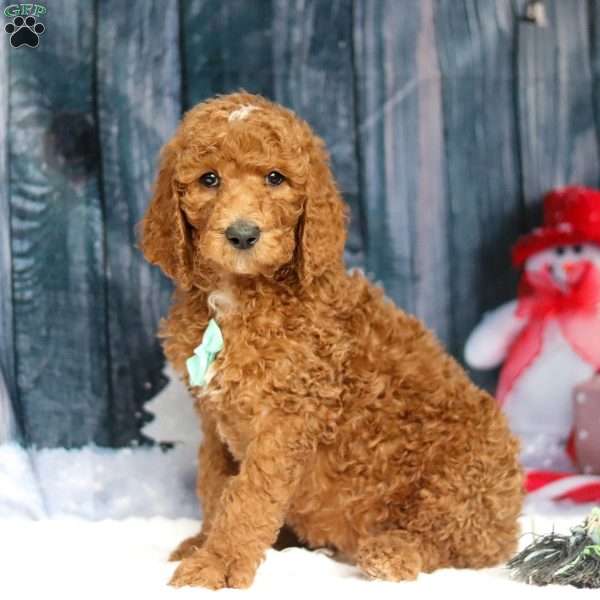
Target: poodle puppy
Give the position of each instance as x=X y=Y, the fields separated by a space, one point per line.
x=328 y=410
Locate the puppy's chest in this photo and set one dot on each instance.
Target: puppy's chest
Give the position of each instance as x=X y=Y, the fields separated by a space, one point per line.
x=234 y=411
x=234 y=395
x=255 y=361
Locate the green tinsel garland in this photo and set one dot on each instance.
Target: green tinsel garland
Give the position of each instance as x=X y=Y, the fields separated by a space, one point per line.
x=564 y=559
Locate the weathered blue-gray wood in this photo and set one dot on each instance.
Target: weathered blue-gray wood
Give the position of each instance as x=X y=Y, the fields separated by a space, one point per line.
x=559 y=142
x=226 y=46
x=8 y=431
x=313 y=75
x=7 y=349
x=594 y=31
x=475 y=42
x=290 y=51
x=139 y=106
x=57 y=241
x=400 y=149
x=446 y=121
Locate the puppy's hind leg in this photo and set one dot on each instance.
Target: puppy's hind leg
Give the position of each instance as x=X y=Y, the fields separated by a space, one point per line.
x=449 y=527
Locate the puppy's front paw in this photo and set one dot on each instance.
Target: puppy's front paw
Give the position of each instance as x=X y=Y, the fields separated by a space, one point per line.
x=205 y=569
x=201 y=568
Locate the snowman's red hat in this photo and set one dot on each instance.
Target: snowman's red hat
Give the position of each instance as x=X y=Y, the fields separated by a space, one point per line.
x=571 y=216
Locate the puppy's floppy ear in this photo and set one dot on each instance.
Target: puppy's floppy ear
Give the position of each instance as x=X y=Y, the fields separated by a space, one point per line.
x=322 y=229
x=164 y=232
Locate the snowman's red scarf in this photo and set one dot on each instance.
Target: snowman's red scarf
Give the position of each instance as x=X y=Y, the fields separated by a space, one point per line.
x=577 y=312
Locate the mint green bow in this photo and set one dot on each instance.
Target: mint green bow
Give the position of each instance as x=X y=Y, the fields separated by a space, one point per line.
x=205 y=354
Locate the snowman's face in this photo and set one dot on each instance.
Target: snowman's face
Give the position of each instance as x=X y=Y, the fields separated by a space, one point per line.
x=565 y=264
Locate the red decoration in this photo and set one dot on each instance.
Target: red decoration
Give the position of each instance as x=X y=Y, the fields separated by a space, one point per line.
x=576 y=312
x=571 y=216
x=553 y=485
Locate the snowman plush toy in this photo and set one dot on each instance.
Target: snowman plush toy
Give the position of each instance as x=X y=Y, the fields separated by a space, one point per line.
x=548 y=340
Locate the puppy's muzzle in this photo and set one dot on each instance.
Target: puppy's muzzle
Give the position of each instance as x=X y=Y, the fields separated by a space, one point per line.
x=242 y=234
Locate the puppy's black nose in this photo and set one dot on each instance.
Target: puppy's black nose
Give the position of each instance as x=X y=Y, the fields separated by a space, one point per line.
x=242 y=234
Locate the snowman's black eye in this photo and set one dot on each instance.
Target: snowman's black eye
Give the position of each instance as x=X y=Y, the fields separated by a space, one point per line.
x=209 y=179
x=275 y=178
x=578 y=248
x=560 y=250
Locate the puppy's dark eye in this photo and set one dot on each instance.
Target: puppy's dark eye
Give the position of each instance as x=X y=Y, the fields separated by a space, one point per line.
x=560 y=250
x=578 y=248
x=209 y=179
x=275 y=178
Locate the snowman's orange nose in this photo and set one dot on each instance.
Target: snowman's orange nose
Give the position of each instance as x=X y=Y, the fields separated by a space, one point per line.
x=574 y=271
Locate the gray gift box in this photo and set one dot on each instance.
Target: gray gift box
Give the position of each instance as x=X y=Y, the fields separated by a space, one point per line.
x=586 y=404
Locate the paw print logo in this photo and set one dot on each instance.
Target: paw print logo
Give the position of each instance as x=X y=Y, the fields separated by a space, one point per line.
x=24 y=32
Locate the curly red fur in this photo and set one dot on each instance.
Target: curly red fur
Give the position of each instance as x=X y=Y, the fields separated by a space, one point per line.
x=329 y=410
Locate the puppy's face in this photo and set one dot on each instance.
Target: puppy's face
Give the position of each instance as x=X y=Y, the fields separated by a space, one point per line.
x=243 y=196
x=245 y=216
x=244 y=189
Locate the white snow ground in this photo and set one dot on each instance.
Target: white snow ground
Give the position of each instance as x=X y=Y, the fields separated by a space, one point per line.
x=98 y=483
x=98 y=523
x=74 y=559
x=79 y=533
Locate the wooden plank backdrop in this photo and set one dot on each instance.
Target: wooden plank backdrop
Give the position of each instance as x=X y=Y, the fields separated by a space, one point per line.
x=446 y=121
x=57 y=234
x=400 y=147
x=476 y=45
x=138 y=79
x=7 y=358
